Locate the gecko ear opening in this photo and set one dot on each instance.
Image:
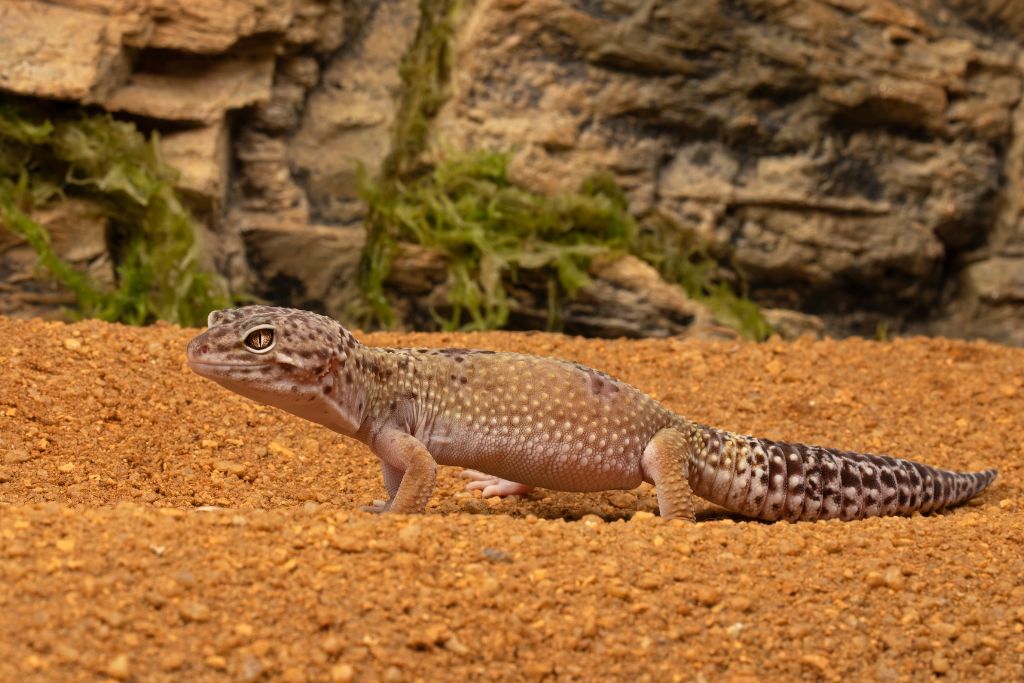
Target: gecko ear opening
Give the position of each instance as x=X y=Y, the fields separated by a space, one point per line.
x=260 y=339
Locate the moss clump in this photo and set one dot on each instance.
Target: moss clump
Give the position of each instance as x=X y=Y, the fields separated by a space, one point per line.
x=46 y=153
x=491 y=230
x=682 y=258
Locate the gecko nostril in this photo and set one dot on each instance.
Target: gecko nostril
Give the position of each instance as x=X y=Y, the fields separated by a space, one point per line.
x=205 y=348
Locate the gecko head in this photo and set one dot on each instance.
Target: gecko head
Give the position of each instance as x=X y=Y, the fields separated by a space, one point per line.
x=281 y=356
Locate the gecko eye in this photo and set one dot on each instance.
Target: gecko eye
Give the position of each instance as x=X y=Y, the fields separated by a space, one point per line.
x=260 y=340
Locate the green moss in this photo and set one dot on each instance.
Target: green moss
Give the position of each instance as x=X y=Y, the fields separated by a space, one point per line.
x=46 y=153
x=492 y=229
x=681 y=257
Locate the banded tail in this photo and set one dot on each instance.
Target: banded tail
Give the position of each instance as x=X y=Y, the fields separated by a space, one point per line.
x=773 y=480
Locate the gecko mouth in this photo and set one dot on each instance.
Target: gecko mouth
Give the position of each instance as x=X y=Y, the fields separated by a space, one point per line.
x=211 y=368
x=214 y=364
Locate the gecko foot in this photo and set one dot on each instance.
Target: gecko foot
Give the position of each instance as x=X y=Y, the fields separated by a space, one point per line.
x=377 y=507
x=493 y=486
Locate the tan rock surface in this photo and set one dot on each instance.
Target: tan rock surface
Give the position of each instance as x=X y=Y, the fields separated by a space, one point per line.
x=347 y=119
x=194 y=89
x=202 y=156
x=156 y=527
x=213 y=26
x=59 y=52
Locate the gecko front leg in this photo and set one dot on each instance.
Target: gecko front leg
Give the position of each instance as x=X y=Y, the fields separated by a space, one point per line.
x=409 y=472
x=392 y=478
x=493 y=486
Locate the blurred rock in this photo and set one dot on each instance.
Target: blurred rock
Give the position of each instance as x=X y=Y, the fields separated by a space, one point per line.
x=793 y=324
x=78 y=234
x=60 y=52
x=347 y=119
x=202 y=157
x=192 y=88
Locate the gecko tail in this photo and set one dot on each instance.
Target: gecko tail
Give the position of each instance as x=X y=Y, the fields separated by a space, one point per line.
x=773 y=480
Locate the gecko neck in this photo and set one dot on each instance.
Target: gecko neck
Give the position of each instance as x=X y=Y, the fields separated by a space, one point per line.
x=349 y=391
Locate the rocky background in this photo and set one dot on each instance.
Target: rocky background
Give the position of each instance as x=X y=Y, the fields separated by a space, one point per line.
x=858 y=162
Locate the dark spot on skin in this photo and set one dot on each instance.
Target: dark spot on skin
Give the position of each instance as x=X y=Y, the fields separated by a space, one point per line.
x=403 y=363
x=422 y=350
x=847 y=477
x=394 y=406
x=452 y=377
x=328 y=389
x=459 y=359
x=348 y=378
x=463 y=380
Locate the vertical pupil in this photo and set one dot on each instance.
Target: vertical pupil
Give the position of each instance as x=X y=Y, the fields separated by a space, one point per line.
x=260 y=339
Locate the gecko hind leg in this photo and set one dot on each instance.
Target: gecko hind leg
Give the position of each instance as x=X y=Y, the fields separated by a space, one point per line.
x=493 y=486
x=664 y=464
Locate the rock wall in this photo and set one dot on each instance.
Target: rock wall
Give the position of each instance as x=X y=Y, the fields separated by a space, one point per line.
x=858 y=160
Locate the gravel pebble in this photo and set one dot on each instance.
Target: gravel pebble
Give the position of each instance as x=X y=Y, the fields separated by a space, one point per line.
x=342 y=673
x=119 y=667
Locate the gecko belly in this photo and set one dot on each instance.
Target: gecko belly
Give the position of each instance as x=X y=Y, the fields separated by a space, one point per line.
x=558 y=466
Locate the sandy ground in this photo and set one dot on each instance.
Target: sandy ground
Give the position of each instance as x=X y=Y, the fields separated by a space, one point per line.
x=154 y=527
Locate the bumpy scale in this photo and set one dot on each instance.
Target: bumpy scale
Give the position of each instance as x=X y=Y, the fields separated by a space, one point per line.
x=517 y=421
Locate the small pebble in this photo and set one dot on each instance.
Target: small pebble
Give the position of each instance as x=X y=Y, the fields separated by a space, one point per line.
x=194 y=611
x=708 y=596
x=119 y=667
x=251 y=669
x=342 y=673
x=894 y=578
